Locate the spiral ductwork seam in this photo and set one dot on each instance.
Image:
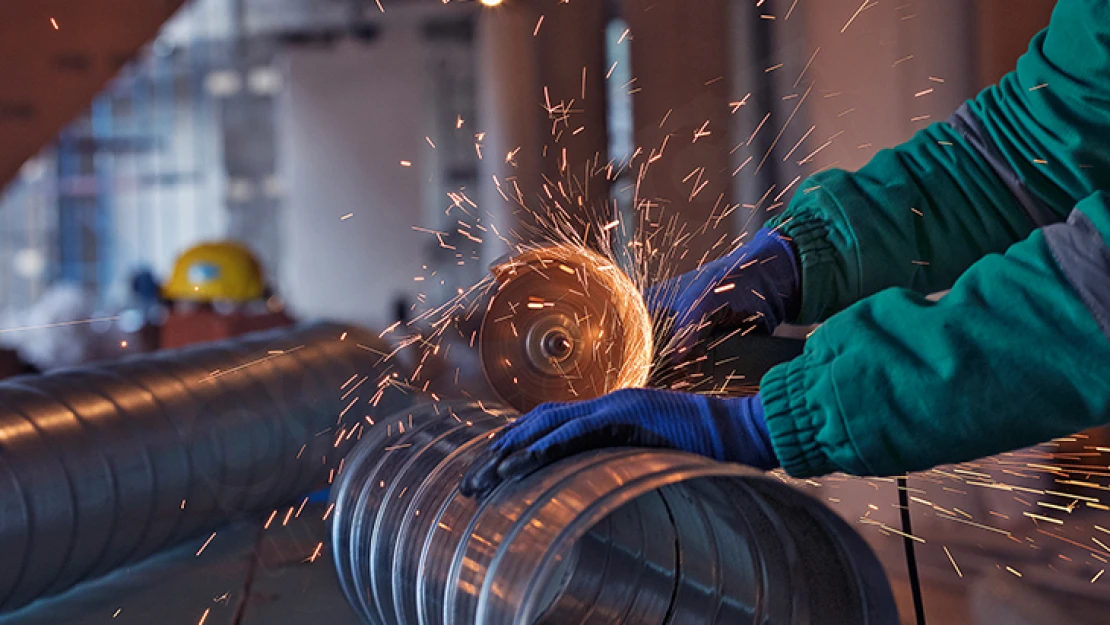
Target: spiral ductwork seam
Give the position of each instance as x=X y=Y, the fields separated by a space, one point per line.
x=105 y=464
x=618 y=536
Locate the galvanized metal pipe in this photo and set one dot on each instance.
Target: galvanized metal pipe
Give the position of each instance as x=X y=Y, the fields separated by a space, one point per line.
x=105 y=464
x=619 y=536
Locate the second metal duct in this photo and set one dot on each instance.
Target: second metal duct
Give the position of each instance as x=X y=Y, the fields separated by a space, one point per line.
x=106 y=464
x=621 y=536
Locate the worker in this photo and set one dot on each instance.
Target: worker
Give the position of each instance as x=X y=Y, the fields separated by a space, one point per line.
x=218 y=290
x=1007 y=204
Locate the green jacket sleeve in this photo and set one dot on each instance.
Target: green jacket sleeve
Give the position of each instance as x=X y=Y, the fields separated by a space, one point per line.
x=1017 y=353
x=1017 y=157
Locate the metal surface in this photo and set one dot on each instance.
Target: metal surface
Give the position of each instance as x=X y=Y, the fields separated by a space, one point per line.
x=618 y=536
x=565 y=324
x=106 y=464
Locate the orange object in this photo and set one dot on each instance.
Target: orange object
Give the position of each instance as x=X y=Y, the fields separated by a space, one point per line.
x=186 y=328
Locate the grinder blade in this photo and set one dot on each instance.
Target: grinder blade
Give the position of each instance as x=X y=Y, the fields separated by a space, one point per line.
x=565 y=324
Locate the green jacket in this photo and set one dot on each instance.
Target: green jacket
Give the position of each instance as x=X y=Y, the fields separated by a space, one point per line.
x=1003 y=204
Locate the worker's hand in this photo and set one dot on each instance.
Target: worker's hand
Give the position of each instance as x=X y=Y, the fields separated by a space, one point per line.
x=756 y=285
x=729 y=430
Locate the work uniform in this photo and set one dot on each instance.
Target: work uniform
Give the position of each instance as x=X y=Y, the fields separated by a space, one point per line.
x=1008 y=205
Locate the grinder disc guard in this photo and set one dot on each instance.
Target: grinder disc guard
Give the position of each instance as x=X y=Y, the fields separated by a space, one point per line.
x=565 y=324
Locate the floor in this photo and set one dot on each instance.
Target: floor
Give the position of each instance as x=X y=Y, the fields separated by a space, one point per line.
x=251 y=575
x=244 y=575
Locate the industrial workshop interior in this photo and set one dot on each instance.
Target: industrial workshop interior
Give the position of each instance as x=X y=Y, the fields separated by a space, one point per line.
x=788 y=312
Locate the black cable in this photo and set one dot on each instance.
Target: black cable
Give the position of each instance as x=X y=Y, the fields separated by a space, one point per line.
x=911 y=557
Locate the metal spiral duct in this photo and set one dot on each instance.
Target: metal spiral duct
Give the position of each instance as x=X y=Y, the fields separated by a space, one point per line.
x=106 y=464
x=620 y=536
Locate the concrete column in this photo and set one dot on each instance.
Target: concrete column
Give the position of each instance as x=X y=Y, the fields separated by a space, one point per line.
x=940 y=36
x=509 y=172
x=771 y=88
x=541 y=100
x=681 y=111
x=571 y=62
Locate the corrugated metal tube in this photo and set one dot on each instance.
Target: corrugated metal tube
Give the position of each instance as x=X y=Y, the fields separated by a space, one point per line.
x=619 y=536
x=106 y=464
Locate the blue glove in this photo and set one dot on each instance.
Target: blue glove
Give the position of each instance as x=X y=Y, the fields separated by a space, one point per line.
x=758 y=283
x=725 y=429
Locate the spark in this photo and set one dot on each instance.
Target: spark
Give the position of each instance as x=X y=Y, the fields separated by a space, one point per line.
x=315 y=553
x=953 y=561
x=806 y=68
x=1043 y=518
x=1071 y=542
x=974 y=524
x=205 y=544
x=406 y=163
x=54 y=23
x=1097 y=575
x=791 y=11
x=346 y=217
x=204 y=617
x=861 y=9
x=886 y=527
x=60 y=324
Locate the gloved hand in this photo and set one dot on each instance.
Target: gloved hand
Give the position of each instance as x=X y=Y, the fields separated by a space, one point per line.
x=725 y=429
x=757 y=283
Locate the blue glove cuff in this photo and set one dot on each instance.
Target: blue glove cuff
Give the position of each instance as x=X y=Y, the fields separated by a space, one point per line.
x=748 y=414
x=781 y=273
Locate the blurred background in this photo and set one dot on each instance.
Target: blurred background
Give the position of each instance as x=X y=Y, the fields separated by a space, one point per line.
x=364 y=160
x=335 y=137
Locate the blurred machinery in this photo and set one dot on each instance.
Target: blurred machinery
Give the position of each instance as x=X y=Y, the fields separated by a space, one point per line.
x=104 y=465
x=218 y=290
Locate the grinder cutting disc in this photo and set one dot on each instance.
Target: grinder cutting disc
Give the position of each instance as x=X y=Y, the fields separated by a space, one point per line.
x=565 y=324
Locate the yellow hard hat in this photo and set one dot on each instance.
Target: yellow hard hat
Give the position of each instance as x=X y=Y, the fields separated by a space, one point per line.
x=221 y=270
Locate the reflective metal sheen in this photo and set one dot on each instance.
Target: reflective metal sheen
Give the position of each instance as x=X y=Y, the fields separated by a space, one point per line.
x=106 y=464
x=618 y=536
